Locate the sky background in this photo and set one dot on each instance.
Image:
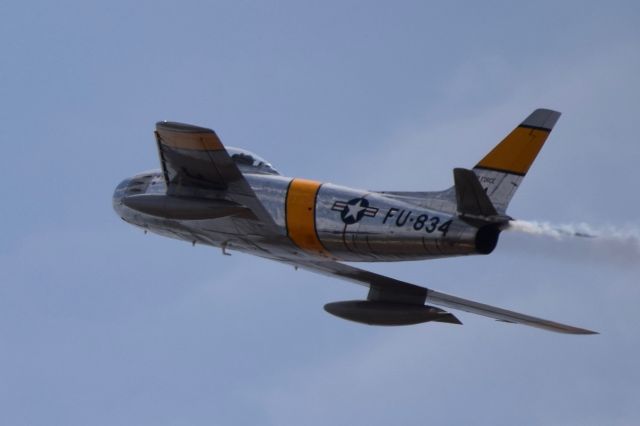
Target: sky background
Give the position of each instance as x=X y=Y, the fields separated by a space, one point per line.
x=103 y=325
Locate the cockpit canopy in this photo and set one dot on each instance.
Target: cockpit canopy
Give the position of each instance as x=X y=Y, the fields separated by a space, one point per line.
x=249 y=162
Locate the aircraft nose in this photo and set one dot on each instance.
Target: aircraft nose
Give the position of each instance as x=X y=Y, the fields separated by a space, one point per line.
x=119 y=193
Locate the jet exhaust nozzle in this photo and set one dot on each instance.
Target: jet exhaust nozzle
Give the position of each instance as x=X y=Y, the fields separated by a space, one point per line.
x=487 y=238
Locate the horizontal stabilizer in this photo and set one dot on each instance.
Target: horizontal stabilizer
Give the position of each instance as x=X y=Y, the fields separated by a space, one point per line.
x=473 y=202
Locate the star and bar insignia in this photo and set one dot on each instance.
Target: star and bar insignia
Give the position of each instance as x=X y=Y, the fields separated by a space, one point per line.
x=354 y=210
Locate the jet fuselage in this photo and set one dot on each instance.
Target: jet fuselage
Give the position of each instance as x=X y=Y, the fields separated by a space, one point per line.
x=230 y=198
x=320 y=220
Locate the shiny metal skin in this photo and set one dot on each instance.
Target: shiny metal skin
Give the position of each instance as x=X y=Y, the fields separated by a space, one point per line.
x=395 y=230
x=230 y=198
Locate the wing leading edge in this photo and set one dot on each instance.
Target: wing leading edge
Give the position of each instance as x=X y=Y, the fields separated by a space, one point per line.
x=195 y=163
x=386 y=289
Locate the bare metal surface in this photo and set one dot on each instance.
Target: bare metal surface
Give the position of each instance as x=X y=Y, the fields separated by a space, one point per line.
x=239 y=202
x=542 y=118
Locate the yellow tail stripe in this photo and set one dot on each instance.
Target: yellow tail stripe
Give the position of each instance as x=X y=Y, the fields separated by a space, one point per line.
x=516 y=152
x=300 y=215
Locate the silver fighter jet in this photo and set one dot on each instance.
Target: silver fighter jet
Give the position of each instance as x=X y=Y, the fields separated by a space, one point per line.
x=230 y=198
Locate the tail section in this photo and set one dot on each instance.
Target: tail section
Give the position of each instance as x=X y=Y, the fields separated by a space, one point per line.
x=473 y=203
x=501 y=170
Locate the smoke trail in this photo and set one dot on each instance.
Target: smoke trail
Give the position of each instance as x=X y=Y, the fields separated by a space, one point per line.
x=626 y=234
x=619 y=243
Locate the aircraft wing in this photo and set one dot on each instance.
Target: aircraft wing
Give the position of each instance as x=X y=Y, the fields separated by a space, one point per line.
x=386 y=289
x=194 y=161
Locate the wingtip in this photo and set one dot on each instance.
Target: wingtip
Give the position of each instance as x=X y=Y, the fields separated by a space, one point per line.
x=174 y=126
x=578 y=331
x=448 y=318
x=542 y=118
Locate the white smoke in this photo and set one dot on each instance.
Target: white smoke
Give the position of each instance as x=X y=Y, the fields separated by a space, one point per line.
x=626 y=234
x=619 y=243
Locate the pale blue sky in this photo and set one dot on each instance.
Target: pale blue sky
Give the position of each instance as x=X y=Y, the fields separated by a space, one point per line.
x=102 y=325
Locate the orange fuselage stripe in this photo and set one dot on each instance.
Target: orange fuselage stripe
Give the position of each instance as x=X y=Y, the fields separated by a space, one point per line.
x=300 y=215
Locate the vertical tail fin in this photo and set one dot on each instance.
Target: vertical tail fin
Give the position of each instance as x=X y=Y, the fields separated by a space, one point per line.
x=501 y=170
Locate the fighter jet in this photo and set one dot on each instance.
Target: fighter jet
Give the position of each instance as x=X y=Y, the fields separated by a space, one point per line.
x=206 y=193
